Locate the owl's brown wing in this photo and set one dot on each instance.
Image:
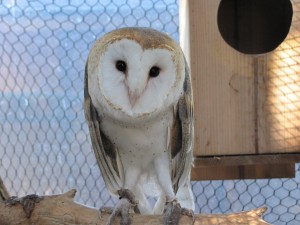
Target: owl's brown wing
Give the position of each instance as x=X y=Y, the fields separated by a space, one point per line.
x=4 y=195
x=181 y=135
x=106 y=153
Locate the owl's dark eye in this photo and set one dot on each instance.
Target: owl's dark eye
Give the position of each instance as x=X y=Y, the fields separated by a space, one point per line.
x=121 y=66
x=154 y=71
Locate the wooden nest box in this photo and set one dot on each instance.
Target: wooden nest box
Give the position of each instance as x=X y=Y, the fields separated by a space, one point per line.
x=244 y=57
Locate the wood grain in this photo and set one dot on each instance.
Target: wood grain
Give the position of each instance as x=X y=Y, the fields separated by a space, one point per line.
x=223 y=86
x=61 y=209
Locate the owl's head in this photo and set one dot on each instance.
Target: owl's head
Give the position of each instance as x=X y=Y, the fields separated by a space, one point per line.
x=135 y=72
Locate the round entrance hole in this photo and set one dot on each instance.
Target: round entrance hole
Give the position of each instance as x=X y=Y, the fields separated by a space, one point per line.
x=254 y=26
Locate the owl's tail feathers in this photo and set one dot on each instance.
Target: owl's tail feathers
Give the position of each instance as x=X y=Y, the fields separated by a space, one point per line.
x=185 y=196
x=159 y=205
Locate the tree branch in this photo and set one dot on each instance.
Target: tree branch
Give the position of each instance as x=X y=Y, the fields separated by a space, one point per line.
x=61 y=209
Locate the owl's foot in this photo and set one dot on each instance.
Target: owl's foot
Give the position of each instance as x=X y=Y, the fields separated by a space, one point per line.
x=106 y=210
x=173 y=213
x=123 y=207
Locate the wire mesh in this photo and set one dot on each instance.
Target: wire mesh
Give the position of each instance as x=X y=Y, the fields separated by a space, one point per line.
x=283 y=99
x=44 y=141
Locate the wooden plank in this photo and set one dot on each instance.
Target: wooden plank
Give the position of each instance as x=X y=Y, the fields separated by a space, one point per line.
x=223 y=86
x=244 y=104
x=184 y=33
x=202 y=162
x=245 y=167
x=263 y=171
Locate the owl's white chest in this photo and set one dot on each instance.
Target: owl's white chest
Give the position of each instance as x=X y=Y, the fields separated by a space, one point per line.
x=141 y=144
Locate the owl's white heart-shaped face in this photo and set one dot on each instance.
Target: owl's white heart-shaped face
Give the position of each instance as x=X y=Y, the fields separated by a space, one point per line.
x=135 y=81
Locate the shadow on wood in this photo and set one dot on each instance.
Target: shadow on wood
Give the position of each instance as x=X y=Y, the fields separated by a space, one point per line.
x=245 y=167
x=61 y=209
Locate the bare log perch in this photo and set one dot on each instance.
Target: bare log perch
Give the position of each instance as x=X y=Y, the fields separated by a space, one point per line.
x=61 y=209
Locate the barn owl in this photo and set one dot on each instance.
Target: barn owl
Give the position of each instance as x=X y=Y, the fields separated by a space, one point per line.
x=138 y=105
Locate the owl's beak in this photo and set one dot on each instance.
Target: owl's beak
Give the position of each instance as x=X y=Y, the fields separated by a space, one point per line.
x=133 y=99
x=133 y=94
x=135 y=87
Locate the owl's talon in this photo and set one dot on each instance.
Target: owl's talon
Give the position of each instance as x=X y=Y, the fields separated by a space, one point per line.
x=189 y=213
x=173 y=212
x=107 y=210
x=121 y=209
x=126 y=202
x=126 y=193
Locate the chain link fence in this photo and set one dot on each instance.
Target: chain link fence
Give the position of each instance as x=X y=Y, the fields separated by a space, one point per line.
x=44 y=142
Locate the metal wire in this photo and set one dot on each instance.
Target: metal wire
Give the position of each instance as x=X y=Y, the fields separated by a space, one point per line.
x=44 y=142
